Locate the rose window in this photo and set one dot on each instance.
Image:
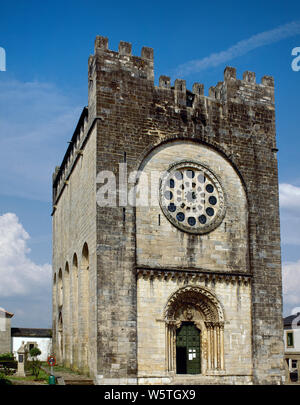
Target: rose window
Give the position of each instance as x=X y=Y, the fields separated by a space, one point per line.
x=192 y=198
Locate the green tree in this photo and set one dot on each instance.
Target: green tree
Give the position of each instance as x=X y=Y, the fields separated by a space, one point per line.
x=35 y=364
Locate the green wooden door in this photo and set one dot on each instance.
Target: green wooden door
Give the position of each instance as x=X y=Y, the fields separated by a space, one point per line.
x=188 y=349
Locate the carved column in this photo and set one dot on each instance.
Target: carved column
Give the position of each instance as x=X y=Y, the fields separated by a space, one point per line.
x=215 y=346
x=217 y=327
x=208 y=346
x=167 y=347
x=174 y=348
x=171 y=327
x=171 y=348
x=169 y=354
x=222 y=346
x=212 y=346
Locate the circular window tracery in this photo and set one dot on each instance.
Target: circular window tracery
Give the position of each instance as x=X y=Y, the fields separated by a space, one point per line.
x=192 y=198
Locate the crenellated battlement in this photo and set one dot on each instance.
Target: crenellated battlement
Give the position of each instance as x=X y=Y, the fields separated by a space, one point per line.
x=125 y=48
x=231 y=89
x=244 y=90
x=117 y=78
x=139 y=66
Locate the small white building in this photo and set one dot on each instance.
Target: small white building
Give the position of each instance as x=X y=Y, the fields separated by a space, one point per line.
x=41 y=338
x=292 y=345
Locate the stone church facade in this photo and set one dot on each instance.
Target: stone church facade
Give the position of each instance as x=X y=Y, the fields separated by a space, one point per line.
x=178 y=278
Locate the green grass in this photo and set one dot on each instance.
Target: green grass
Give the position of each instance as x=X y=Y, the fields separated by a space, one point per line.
x=57 y=369
x=43 y=377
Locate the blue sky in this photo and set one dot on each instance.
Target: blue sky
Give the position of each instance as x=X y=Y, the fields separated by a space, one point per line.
x=44 y=88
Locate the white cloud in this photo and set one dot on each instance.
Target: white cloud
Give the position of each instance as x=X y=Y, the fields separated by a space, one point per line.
x=291 y=283
x=289 y=199
x=36 y=121
x=19 y=275
x=240 y=48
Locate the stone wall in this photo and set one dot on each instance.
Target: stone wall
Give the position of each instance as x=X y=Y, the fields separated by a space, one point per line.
x=153 y=295
x=74 y=230
x=5 y=334
x=131 y=117
x=162 y=245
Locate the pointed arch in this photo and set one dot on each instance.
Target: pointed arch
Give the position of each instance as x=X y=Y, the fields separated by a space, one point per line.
x=85 y=257
x=60 y=288
x=60 y=336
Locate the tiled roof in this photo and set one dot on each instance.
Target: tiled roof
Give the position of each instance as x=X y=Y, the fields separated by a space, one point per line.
x=31 y=332
x=289 y=319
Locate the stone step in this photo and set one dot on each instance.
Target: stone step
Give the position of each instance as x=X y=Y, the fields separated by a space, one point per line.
x=79 y=382
x=193 y=380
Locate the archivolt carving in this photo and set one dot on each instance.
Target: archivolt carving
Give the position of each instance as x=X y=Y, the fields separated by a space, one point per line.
x=200 y=306
x=189 y=299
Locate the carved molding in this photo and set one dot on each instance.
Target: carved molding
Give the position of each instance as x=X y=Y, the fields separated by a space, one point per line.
x=200 y=298
x=193 y=276
x=200 y=306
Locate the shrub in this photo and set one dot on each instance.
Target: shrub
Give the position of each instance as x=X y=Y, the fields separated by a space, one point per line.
x=4 y=380
x=34 y=352
x=8 y=366
x=7 y=356
x=35 y=363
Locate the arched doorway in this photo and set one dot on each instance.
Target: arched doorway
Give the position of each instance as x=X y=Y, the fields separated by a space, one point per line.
x=194 y=331
x=188 y=356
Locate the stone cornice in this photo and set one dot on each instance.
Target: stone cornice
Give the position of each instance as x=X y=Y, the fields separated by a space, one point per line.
x=193 y=275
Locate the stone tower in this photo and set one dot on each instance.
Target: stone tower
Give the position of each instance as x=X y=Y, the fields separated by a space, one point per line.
x=177 y=276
